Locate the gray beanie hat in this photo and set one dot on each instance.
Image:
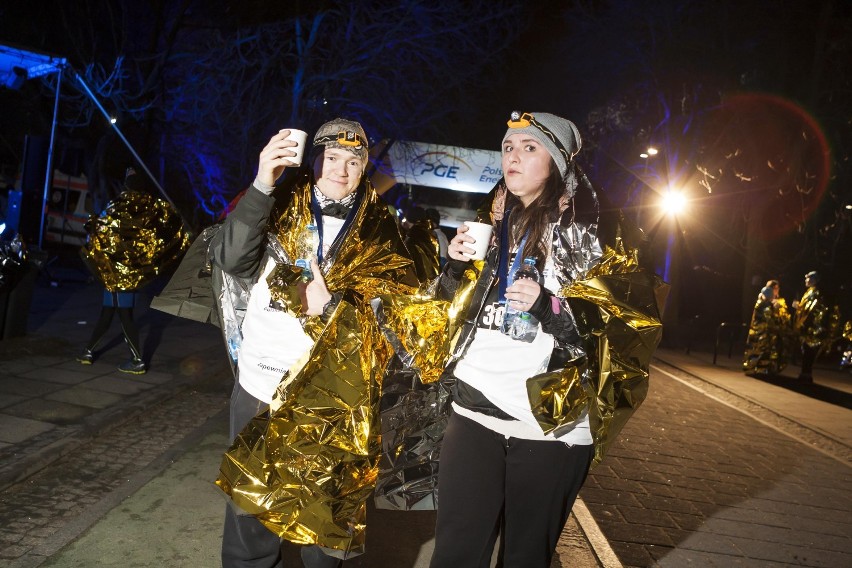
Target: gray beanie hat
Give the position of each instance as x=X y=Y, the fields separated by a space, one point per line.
x=541 y=125
x=344 y=134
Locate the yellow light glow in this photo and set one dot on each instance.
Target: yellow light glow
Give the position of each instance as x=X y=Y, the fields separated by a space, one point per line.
x=673 y=202
x=652 y=151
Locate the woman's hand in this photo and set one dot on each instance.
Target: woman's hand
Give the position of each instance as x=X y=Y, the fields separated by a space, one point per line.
x=456 y=248
x=315 y=293
x=275 y=157
x=523 y=293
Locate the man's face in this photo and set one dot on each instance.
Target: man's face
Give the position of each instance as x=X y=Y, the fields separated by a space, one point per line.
x=337 y=172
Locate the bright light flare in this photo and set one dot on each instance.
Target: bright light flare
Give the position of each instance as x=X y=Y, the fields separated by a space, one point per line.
x=652 y=151
x=673 y=202
x=113 y=120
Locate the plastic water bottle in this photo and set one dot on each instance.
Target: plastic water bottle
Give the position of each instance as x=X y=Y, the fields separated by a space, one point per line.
x=307 y=251
x=521 y=326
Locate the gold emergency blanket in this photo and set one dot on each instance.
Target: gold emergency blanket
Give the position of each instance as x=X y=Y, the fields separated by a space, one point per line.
x=768 y=344
x=617 y=309
x=423 y=247
x=414 y=402
x=816 y=322
x=134 y=239
x=306 y=468
x=371 y=261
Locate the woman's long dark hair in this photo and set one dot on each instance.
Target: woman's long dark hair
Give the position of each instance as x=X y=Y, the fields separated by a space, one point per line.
x=536 y=218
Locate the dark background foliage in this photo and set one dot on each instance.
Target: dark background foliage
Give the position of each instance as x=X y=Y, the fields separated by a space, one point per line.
x=748 y=102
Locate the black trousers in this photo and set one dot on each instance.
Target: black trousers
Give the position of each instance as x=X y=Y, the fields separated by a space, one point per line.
x=489 y=484
x=128 y=327
x=809 y=355
x=246 y=543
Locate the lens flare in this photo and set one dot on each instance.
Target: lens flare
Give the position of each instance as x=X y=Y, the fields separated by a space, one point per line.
x=673 y=202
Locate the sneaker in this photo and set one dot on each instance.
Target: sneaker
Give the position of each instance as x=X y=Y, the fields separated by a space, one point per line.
x=134 y=367
x=87 y=358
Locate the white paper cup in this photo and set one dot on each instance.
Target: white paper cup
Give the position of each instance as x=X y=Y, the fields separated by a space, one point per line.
x=482 y=233
x=301 y=137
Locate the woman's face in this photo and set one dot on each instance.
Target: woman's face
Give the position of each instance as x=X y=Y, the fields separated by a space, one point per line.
x=526 y=166
x=337 y=172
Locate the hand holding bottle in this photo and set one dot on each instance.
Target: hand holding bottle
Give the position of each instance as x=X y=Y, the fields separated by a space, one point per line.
x=523 y=293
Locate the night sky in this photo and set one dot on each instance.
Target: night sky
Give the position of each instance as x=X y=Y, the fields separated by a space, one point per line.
x=749 y=102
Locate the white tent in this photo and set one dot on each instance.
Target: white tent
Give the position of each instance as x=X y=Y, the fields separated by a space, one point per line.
x=16 y=67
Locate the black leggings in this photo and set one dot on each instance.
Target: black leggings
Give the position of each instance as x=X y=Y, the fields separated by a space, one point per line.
x=489 y=484
x=128 y=327
x=809 y=356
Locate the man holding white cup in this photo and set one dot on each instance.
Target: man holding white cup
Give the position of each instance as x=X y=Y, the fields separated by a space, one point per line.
x=257 y=240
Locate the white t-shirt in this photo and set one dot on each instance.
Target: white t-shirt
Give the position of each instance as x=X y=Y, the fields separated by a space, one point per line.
x=273 y=340
x=499 y=366
x=443 y=243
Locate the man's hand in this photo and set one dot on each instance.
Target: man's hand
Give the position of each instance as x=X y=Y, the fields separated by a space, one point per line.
x=275 y=157
x=315 y=294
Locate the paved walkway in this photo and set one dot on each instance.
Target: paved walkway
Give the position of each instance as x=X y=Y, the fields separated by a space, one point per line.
x=50 y=403
x=715 y=469
x=719 y=469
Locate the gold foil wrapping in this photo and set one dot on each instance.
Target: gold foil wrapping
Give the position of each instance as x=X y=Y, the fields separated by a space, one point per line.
x=816 y=322
x=414 y=402
x=617 y=308
x=418 y=328
x=306 y=469
x=135 y=238
x=769 y=342
x=370 y=261
x=422 y=245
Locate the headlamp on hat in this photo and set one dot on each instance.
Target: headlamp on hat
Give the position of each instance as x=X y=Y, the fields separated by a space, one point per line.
x=518 y=120
x=345 y=138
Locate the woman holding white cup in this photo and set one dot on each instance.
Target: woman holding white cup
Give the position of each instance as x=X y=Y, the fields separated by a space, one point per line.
x=499 y=473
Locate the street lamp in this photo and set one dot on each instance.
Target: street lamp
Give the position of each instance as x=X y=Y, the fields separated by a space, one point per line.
x=649 y=152
x=673 y=202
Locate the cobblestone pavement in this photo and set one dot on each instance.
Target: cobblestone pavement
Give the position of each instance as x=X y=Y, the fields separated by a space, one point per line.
x=693 y=481
x=90 y=508
x=33 y=512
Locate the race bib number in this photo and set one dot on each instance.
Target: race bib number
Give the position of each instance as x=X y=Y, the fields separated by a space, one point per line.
x=491 y=316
